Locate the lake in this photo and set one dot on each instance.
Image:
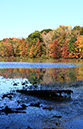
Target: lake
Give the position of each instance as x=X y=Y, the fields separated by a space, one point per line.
x=46 y=74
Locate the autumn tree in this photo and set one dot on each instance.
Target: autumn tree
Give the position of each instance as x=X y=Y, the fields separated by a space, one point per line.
x=54 y=49
x=47 y=38
x=8 y=47
x=31 y=53
x=37 y=50
x=14 y=45
x=80 y=45
x=23 y=47
x=65 y=51
x=72 y=44
x=36 y=46
x=61 y=34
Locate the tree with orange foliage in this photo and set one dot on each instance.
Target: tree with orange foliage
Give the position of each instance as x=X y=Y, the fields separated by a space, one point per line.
x=31 y=54
x=23 y=47
x=80 y=46
x=54 y=49
x=65 y=51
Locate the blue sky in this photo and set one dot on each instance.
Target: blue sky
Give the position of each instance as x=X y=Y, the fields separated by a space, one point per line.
x=19 y=18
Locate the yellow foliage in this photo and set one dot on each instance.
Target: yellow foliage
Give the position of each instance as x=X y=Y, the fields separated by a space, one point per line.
x=79 y=49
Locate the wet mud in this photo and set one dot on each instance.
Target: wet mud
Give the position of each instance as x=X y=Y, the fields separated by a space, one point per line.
x=26 y=111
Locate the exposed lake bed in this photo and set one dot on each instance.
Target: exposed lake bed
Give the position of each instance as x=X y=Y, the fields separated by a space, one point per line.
x=24 y=111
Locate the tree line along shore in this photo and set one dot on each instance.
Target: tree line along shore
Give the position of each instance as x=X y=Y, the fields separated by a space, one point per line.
x=62 y=42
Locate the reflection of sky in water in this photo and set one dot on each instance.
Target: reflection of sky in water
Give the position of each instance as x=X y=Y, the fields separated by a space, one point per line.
x=37 y=65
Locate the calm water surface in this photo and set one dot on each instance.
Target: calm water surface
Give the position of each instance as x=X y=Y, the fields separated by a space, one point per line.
x=66 y=74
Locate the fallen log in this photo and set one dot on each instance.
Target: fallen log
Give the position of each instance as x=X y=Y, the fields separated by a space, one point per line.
x=49 y=94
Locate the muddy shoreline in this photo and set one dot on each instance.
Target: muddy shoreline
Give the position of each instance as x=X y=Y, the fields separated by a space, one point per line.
x=24 y=111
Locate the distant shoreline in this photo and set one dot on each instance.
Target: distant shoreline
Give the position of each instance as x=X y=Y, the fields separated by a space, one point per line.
x=26 y=59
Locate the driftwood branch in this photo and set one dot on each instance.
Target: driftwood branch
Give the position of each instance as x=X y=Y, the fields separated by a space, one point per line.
x=49 y=94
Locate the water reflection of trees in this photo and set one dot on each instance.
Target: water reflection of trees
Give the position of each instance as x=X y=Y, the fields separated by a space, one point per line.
x=44 y=76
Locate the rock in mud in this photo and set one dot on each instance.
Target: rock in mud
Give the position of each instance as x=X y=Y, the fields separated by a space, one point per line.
x=9 y=95
x=57 y=116
x=35 y=104
x=8 y=110
x=23 y=107
x=15 y=84
x=49 y=108
x=28 y=127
